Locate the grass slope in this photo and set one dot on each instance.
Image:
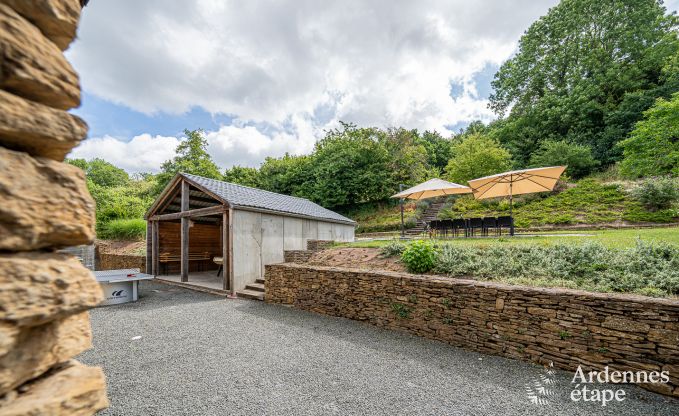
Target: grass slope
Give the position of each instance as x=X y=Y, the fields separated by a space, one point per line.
x=610 y=238
x=588 y=202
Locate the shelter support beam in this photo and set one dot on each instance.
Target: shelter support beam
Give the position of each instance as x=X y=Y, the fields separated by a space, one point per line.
x=155 y=251
x=228 y=257
x=225 y=250
x=199 y=212
x=185 y=233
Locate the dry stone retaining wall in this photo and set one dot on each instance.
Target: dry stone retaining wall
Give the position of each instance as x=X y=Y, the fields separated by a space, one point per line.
x=44 y=295
x=560 y=326
x=316 y=245
x=107 y=261
x=297 y=256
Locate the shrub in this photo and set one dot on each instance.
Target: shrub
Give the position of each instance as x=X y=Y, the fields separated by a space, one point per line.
x=393 y=248
x=657 y=193
x=124 y=229
x=419 y=257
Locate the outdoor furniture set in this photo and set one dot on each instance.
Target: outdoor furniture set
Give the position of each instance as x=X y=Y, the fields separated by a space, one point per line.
x=469 y=227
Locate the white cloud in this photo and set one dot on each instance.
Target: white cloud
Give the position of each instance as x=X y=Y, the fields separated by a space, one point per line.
x=230 y=145
x=142 y=153
x=289 y=69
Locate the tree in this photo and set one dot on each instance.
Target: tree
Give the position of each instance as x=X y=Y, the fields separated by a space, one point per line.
x=577 y=157
x=476 y=156
x=438 y=149
x=242 y=176
x=408 y=158
x=584 y=73
x=350 y=166
x=653 y=146
x=289 y=175
x=102 y=172
x=192 y=157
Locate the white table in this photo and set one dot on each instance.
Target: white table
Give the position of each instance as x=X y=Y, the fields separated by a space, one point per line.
x=120 y=286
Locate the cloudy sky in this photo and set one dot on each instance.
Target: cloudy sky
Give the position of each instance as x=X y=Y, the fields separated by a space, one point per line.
x=267 y=77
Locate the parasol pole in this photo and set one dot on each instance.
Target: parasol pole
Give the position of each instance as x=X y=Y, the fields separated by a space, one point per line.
x=511 y=211
x=403 y=230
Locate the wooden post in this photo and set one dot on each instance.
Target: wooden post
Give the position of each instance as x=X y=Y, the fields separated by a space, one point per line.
x=149 y=247
x=225 y=249
x=155 y=248
x=228 y=268
x=185 y=234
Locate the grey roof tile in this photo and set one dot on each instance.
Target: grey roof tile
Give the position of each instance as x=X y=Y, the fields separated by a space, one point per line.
x=239 y=195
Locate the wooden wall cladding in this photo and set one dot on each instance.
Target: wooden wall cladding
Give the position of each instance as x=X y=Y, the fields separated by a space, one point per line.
x=202 y=238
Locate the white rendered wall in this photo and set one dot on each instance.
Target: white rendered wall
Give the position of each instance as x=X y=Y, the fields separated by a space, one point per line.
x=260 y=239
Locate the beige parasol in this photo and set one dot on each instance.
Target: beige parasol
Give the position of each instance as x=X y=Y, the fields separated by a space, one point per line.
x=516 y=182
x=433 y=188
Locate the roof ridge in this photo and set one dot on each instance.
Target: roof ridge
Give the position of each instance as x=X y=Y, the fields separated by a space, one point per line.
x=234 y=193
x=252 y=187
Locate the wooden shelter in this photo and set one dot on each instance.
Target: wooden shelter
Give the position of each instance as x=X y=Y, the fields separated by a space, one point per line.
x=195 y=221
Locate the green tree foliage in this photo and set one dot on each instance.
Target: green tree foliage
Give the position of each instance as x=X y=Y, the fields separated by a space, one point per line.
x=584 y=73
x=122 y=202
x=653 y=146
x=102 y=172
x=350 y=165
x=552 y=153
x=289 y=175
x=242 y=175
x=408 y=159
x=475 y=156
x=192 y=157
x=438 y=149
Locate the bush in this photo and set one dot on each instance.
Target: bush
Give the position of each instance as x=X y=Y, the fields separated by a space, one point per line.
x=577 y=157
x=657 y=193
x=419 y=257
x=124 y=229
x=393 y=248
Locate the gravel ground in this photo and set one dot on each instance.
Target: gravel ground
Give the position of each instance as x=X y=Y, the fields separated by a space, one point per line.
x=204 y=355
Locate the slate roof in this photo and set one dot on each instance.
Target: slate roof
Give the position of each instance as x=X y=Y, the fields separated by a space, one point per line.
x=244 y=196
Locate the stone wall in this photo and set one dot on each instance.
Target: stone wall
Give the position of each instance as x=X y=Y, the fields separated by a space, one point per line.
x=560 y=326
x=303 y=256
x=45 y=206
x=297 y=256
x=316 y=245
x=106 y=261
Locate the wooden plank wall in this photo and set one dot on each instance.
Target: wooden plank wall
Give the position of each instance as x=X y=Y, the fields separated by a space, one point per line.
x=202 y=237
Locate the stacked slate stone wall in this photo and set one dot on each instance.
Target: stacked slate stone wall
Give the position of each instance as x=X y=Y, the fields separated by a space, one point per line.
x=297 y=256
x=107 y=261
x=544 y=325
x=317 y=245
x=44 y=295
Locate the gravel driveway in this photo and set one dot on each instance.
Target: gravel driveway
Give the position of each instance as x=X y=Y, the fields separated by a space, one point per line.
x=204 y=355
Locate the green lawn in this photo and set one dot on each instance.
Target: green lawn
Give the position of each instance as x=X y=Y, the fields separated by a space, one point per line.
x=610 y=238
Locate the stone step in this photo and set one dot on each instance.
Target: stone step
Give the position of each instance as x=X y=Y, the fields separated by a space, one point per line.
x=260 y=281
x=257 y=287
x=250 y=294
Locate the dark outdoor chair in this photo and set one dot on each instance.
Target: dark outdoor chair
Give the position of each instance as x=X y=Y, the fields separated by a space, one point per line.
x=475 y=224
x=489 y=225
x=504 y=222
x=459 y=224
x=434 y=228
x=447 y=227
